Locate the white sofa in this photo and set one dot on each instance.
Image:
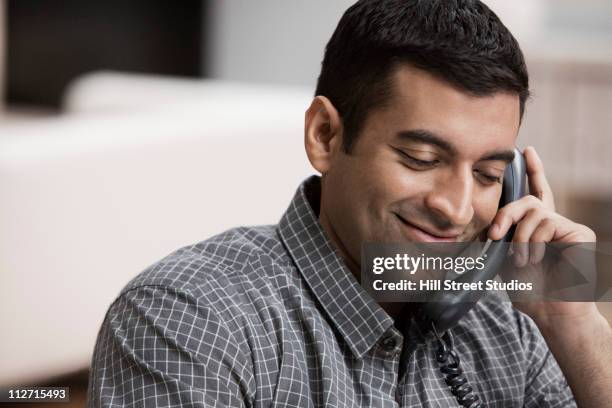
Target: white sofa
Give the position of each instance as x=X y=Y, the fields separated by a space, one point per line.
x=137 y=167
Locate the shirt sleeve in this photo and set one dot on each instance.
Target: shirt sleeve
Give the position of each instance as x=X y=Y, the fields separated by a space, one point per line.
x=545 y=385
x=160 y=347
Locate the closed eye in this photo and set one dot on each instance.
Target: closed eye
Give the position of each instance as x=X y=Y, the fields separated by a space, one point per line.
x=488 y=178
x=413 y=161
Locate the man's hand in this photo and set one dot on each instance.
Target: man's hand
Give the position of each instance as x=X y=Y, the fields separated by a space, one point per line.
x=537 y=222
x=566 y=326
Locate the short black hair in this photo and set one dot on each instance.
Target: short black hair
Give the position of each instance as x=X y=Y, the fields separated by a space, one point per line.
x=460 y=41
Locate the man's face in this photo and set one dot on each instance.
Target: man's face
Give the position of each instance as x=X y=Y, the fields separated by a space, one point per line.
x=426 y=168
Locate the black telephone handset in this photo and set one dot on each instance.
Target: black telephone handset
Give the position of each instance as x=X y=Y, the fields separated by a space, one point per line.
x=446 y=308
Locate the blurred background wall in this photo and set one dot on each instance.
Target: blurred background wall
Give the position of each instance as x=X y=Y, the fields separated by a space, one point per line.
x=2 y=52
x=121 y=121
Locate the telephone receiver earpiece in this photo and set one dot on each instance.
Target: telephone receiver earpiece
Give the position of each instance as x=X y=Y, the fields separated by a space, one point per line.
x=447 y=307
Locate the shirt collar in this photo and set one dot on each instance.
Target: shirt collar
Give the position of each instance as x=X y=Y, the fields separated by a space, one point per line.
x=353 y=312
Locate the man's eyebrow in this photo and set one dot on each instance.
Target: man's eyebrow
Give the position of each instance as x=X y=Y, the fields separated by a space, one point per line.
x=502 y=155
x=425 y=136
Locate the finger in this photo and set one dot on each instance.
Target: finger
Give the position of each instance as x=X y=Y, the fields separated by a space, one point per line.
x=538 y=183
x=542 y=234
x=511 y=214
x=524 y=229
x=528 y=224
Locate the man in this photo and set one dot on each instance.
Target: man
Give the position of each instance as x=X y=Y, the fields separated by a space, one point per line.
x=416 y=115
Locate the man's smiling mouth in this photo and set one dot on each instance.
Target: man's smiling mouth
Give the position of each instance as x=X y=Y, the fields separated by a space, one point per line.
x=420 y=234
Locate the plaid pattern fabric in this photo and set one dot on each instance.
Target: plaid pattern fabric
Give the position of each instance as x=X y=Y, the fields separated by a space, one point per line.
x=270 y=316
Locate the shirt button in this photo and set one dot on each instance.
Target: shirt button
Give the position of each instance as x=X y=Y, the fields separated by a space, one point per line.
x=389 y=343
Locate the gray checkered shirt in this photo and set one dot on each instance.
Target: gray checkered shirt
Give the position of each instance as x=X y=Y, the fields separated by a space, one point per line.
x=270 y=316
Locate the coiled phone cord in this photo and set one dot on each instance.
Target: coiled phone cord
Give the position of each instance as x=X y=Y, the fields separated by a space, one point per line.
x=454 y=376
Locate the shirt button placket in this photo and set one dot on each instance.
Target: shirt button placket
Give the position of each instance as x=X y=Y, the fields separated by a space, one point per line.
x=389 y=344
x=390 y=347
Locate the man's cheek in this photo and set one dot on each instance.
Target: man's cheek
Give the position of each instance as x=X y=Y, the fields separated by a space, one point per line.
x=484 y=218
x=396 y=183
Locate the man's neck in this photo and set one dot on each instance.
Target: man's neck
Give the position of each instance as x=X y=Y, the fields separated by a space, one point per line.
x=393 y=309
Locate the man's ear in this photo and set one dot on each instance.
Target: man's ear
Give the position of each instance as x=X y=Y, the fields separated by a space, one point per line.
x=322 y=133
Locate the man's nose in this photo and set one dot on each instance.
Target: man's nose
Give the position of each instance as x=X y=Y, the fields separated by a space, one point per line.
x=451 y=198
